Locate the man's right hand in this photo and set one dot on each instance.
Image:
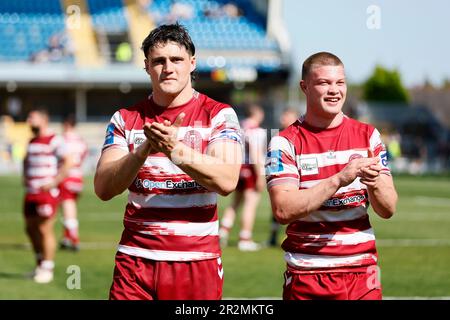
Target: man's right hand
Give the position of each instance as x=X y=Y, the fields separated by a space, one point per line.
x=144 y=150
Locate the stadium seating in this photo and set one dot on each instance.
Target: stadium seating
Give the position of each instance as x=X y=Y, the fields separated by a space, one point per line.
x=220 y=32
x=108 y=15
x=26 y=27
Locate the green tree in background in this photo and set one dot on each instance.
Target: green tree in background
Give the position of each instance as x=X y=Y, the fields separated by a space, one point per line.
x=446 y=84
x=385 y=86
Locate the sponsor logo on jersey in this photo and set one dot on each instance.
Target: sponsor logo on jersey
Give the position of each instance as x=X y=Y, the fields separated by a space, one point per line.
x=167 y=184
x=337 y=202
x=138 y=139
x=354 y=156
x=110 y=134
x=331 y=154
x=309 y=166
x=383 y=159
x=229 y=134
x=273 y=162
x=193 y=139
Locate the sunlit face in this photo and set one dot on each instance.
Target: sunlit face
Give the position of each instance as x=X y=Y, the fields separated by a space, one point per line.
x=287 y=118
x=169 y=66
x=36 y=121
x=325 y=89
x=259 y=116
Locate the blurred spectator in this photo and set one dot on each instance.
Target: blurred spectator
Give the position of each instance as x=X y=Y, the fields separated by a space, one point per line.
x=444 y=151
x=6 y=151
x=213 y=12
x=57 y=50
x=14 y=107
x=418 y=156
x=144 y=7
x=179 y=10
x=393 y=146
x=229 y=10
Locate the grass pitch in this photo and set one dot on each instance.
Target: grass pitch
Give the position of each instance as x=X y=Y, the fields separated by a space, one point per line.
x=414 y=247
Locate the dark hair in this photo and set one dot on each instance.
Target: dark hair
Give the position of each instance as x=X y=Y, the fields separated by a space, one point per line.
x=251 y=109
x=70 y=119
x=290 y=110
x=42 y=110
x=320 y=59
x=168 y=32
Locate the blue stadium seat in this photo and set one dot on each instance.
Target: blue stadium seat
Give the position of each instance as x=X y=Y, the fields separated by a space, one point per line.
x=247 y=31
x=108 y=15
x=25 y=27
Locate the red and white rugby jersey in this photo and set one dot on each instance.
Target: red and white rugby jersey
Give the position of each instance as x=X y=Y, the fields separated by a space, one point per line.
x=41 y=165
x=338 y=234
x=169 y=216
x=254 y=137
x=77 y=148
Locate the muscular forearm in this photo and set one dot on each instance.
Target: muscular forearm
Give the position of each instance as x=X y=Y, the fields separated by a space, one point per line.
x=259 y=168
x=383 y=199
x=62 y=173
x=114 y=177
x=292 y=204
x=211 y=172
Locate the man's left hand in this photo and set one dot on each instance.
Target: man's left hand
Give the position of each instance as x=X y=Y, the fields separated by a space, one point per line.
x=369 y=175
x=48 y=186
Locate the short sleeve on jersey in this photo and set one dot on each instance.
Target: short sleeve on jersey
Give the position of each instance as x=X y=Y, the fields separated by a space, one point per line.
x=115 y=133
x=225 y=127
x=281 y=166
x=379 y=150
x=59 y=146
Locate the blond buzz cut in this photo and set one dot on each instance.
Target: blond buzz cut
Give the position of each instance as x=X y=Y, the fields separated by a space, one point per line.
x=319 y=59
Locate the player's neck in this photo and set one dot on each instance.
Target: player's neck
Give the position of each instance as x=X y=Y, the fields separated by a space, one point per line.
x=252 y=122
x=322 y=122
x=43 y=132
x=171 y=101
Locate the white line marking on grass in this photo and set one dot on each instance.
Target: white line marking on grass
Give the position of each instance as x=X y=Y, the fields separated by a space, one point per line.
x=83 y=245
x=422 y=216
x=432 y=201
x=84 y=216
x=413 y=242
x=97 y=245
